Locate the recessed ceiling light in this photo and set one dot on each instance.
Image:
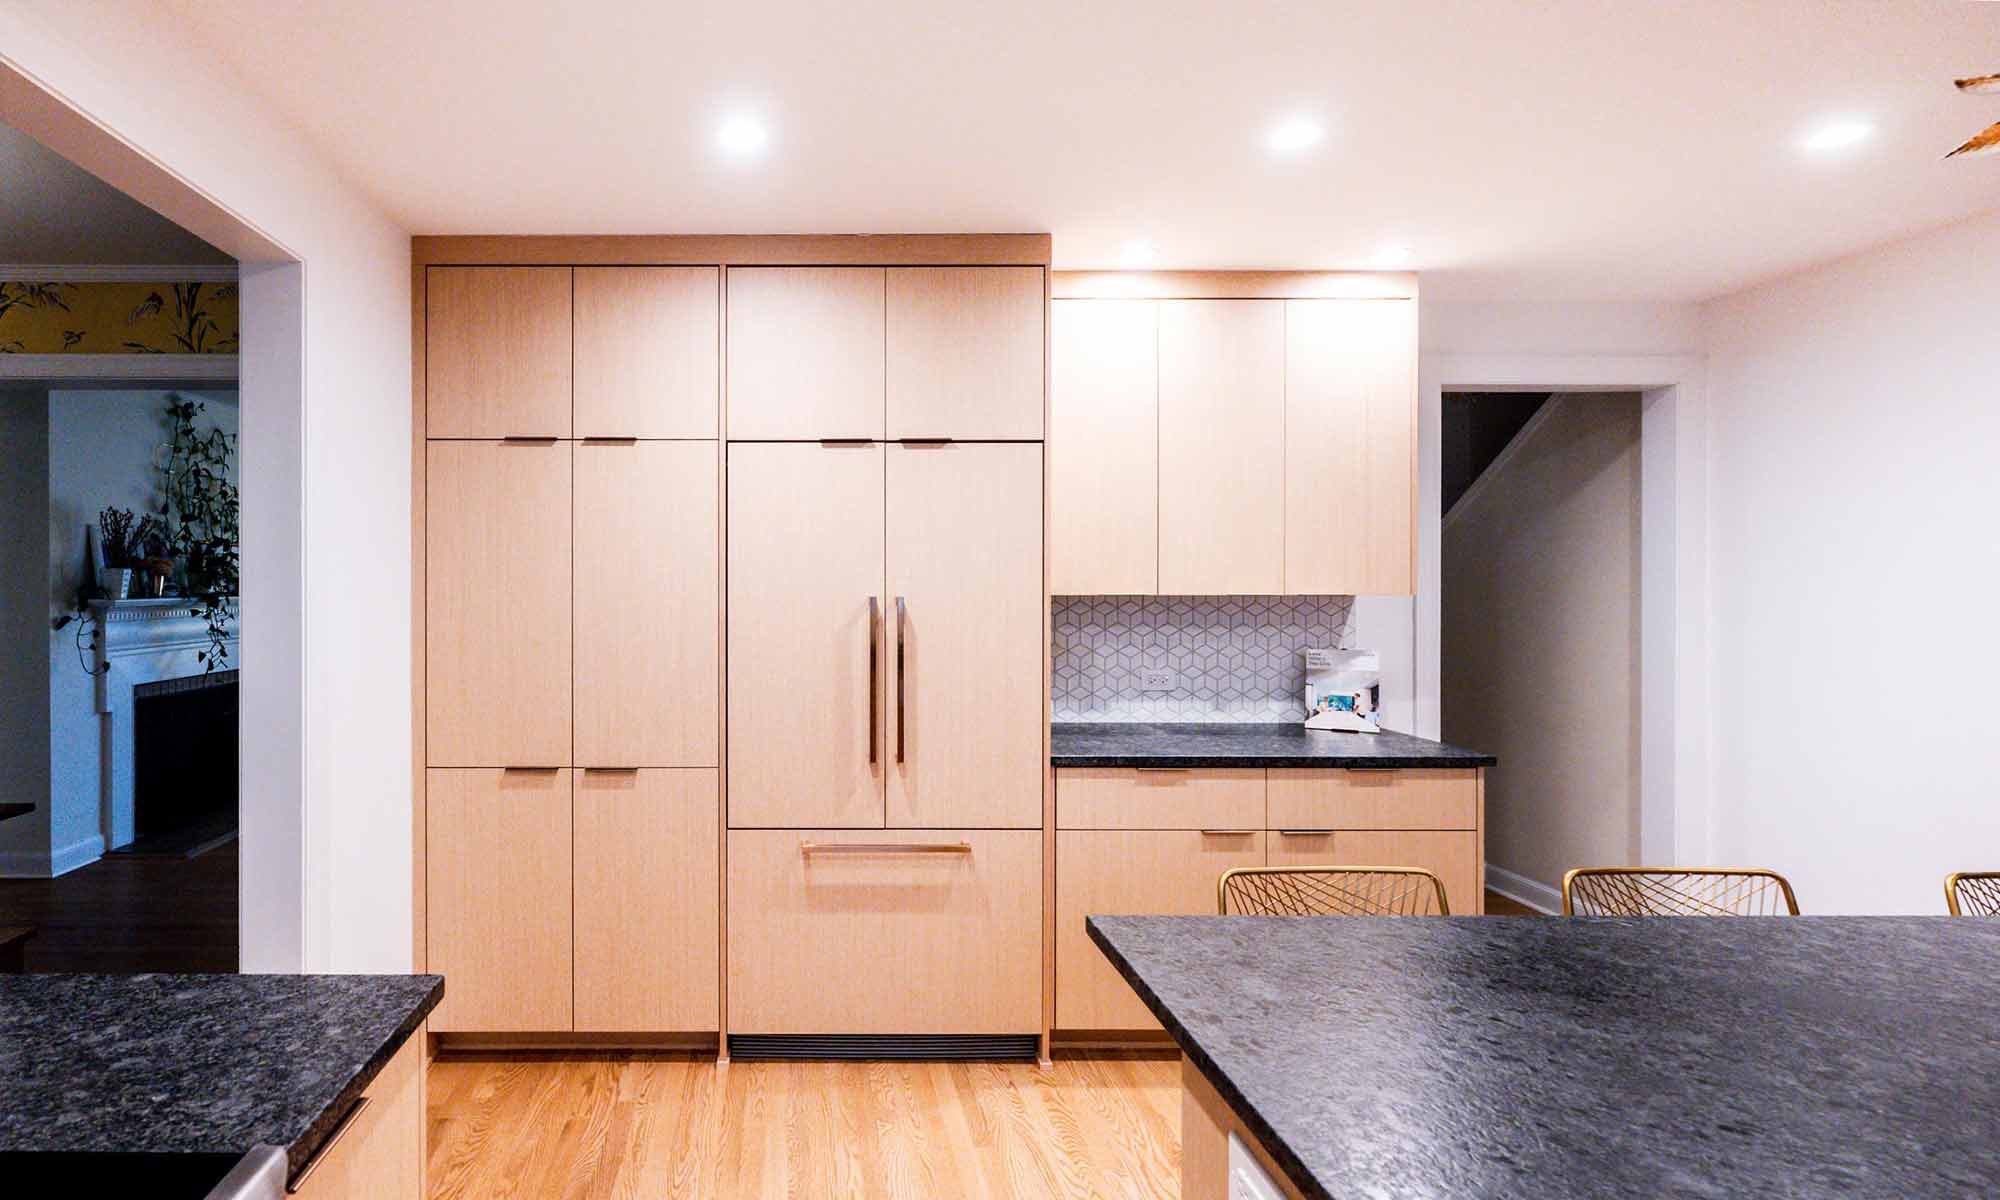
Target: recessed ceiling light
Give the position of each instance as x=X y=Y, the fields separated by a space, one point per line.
x=742 y=137
x=1136 y=253
x=1395 y=254
x=1837 y=135
x=1293 y=134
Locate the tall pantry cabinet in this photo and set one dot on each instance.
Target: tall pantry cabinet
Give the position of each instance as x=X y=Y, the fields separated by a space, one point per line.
x=733 y=637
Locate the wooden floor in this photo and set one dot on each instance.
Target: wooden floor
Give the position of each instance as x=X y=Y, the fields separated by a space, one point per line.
x=618 y=1126
x=125 y=915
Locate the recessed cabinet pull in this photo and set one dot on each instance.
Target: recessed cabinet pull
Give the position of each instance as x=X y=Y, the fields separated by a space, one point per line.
x=874 y=678
x=319 y=1156
x=1375 y=770
x=841 y=443
x=1163 y=770
x=902 y=674
x=610 y=440
x=611 y=770
x=1227 y=832
x=1305 y=832
x=924 y=441
x=531 y=768
x=809 y=849
x=532 y=439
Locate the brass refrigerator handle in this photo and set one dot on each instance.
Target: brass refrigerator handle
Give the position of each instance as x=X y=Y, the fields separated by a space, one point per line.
x=874 y=676
x=808 y=849
x=902 y=676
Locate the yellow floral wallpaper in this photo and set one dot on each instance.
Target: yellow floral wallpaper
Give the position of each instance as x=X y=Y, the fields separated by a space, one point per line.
x=117 y=318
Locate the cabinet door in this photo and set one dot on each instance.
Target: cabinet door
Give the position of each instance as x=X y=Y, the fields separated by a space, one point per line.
x=1222 y=447
x=497 y=867
x=1350 y=446
x=496 y=352
x=965 y=635
x=381 y=1156
x=1451 y=855
x=965 y=352
x=806 y=357
x=648 y=931
x=497 y=604
x=1127 y=872
x=807 y=676
x=648 y=351
x=925 y=933
x=648 y=586
x=1104 y=448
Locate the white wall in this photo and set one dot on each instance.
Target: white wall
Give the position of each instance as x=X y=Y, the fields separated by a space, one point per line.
x=24 y=548
x=136 y=73
x=1541 y=639
x=1855 y=565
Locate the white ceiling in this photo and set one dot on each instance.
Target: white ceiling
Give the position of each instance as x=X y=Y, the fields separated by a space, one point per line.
x=53 y=211
x=1545 y=149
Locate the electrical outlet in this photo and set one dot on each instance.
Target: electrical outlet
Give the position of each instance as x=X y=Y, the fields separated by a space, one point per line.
x=1156 y=679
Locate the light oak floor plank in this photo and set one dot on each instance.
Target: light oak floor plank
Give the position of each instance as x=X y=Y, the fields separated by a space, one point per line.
x=613 y=1126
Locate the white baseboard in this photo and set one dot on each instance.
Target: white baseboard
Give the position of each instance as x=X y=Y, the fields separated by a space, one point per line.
x=1523 y=890
x=80 y=853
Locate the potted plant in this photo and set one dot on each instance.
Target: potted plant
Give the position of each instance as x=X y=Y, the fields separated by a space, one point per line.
x=123 y=542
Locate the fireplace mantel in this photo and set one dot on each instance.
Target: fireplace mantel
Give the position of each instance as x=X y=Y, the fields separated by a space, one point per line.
x=139 y=641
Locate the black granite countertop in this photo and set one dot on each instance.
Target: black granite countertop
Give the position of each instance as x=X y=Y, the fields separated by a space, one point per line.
x=1486 y=1056
x=195 y=1064
x=1133 y=744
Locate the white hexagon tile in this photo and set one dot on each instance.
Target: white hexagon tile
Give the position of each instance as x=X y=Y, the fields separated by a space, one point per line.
x=1232 y=658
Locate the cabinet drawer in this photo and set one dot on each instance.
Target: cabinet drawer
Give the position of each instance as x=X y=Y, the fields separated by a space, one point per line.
x=1427 y=798
x=1138 y=872
x=1450 y=854
x=905 y=932
x=1146 y=798
x=379 y=1155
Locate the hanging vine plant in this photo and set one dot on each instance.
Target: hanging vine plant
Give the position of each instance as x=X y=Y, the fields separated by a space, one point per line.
x=199 y=508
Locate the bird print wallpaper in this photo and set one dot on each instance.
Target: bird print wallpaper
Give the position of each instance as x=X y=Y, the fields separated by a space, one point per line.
x=117 y=318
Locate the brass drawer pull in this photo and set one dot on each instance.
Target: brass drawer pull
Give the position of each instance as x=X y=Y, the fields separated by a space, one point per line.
x=531 y=439
x=611 y=770
x=1163 y=770
x=808 y=849
x=531 y=769
x=326 y=1147
x=1229 y=832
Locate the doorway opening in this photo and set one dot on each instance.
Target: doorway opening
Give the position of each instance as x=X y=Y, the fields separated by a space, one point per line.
x=1541 y=622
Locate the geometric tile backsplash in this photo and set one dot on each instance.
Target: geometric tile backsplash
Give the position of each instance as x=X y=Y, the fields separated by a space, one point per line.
x=1234 y=658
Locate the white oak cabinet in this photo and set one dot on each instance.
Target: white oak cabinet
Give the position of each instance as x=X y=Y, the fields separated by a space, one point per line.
x=647 y=352
x=381 y=1155
x=965 y=353
x=646 y=580
x=1222 y=447
x=497 y=352
x=647 y=901
x=1104 y=448
x=857 y=932
x=1247 y=444
x=497 y=604
x=498 y=862
x=806 y=352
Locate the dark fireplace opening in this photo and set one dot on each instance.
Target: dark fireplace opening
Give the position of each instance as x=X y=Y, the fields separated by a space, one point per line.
x=184 y=742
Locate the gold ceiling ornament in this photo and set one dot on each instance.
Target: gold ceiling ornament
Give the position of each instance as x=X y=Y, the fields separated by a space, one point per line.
x=1973 y=893
x=1987 y=140
x=1330 y=892
x=1677 y=892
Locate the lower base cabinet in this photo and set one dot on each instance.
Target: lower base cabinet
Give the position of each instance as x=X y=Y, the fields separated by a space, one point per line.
x=1450 y=854
x=497 y=856
x=885 y=931
x=1118 y=872
x=380 y=1155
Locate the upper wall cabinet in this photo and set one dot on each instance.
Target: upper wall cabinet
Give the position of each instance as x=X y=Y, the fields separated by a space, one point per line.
x=648 y=352
x=497 y=352
x=1350 y=446
x=1222 y=447
x=805 y=353
x=965 y=355
x=1104 y=448
x=1264 y=442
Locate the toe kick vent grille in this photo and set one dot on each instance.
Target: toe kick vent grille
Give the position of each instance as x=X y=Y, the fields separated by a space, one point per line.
x=941 y=1046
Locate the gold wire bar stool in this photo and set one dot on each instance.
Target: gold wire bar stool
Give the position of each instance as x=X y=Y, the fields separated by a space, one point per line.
x=1330 y=892
x=1973 y=893
x=1677 y=892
